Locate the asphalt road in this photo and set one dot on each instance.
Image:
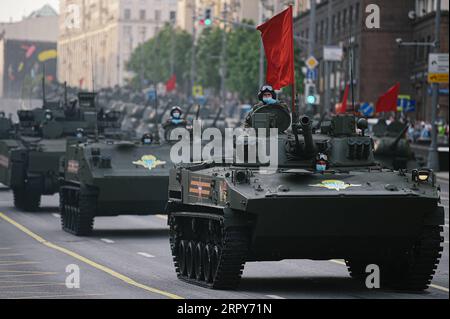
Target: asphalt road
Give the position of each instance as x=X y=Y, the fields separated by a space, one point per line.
x=128 y=258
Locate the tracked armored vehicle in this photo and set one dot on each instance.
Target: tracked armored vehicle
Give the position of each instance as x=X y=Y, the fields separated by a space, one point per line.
x=391 y=147
x=31 y=160
x=327 y=199
x=109 y=176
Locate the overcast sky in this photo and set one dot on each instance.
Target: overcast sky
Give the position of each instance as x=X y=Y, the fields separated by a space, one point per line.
x=15 y=9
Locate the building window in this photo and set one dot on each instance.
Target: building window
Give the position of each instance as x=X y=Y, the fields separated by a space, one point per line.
x=142 y=15
x=143 y=33
x=357 y=13
x=157 y=15
x=127 y=14
x=344 y=19
x=338 y=24
x=350 y=15
x=173 y=16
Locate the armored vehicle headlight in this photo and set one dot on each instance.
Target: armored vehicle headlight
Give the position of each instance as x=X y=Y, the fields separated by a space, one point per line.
x=422 y=175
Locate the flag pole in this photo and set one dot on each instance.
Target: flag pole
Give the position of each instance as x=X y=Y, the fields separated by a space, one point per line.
x=294 y=108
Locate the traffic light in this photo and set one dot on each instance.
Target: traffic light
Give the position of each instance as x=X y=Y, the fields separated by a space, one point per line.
x=208 y=19
x=311 y=94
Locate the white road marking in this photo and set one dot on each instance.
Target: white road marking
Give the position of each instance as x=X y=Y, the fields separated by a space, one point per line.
x=146 y=255
x=56 y=215
x=446 y=225
x=108 y=241
x=274 y=297
x=163 y=217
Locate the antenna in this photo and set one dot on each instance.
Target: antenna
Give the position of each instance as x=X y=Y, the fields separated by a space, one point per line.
x=65 y=93
x=44 y=102
x=92 y=71
x=352 y=61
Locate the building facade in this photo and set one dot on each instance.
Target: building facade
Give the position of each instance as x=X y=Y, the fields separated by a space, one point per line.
x=97 y=38
x=25 y=47
x=378 y=59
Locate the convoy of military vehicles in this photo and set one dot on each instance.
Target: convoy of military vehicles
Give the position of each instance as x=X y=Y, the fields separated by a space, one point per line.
x=337 y=192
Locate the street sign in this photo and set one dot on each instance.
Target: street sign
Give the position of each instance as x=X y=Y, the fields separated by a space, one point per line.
x=438 y=68
x=438 y=78
x=312 y=63
x=406 y=104
x=367 y=109
x=312 y=74
x=333 y=53
x=197 y=91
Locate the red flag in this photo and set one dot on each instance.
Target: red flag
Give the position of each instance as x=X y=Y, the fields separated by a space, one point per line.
x=171 y=85
x=388 y=101
x=342 y=109
x=278 y=38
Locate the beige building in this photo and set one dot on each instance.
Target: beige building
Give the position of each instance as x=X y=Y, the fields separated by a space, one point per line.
x=237 y=10
x=97 y=37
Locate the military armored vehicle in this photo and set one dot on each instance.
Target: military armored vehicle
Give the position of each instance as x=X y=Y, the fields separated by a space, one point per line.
x=30 y=162
x=391 y=147
x=326 y=199
x=110 y=176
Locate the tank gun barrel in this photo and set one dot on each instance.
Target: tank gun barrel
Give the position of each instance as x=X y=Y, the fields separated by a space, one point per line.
x=217 y=117
x=398 y=138
x=306 y=125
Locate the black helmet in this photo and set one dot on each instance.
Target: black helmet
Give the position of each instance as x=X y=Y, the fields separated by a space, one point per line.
x=267 y=89
x=147 y=139
x=176 y=109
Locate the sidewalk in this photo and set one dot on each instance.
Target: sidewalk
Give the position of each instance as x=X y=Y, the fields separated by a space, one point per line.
x=443 y=176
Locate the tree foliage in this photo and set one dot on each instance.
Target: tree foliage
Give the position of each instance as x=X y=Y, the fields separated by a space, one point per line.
x=242 y=63
x=153 y=58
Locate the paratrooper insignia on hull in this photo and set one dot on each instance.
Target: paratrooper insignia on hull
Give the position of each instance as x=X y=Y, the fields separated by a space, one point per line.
x=335 y=185
x=150 y=162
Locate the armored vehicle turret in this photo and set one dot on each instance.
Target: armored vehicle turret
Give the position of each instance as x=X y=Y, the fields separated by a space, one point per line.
x=391 y=147
x=112 y=176
x=31 y=161
x=326 y=198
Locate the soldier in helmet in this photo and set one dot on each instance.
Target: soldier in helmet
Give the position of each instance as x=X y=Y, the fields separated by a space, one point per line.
x=266 y=96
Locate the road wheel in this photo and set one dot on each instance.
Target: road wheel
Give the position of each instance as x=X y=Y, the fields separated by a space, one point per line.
x=182 y=251
x=207 y=257
x=198 y=259
x=28 y=198
x=190 y=263
x=414 y=269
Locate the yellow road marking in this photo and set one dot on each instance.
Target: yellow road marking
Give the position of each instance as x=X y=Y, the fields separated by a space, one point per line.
x=27 y=272
x=87 y=261
x=25 y=282
x=56 y=296
x=25 y=275
x=10 y=255
x=19 y=263
x=439 y=287
x=338 y=262
x=36 y=285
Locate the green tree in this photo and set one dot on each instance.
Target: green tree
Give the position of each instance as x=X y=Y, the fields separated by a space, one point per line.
x=209 y=49
x=243 y=62
x=153 y=58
